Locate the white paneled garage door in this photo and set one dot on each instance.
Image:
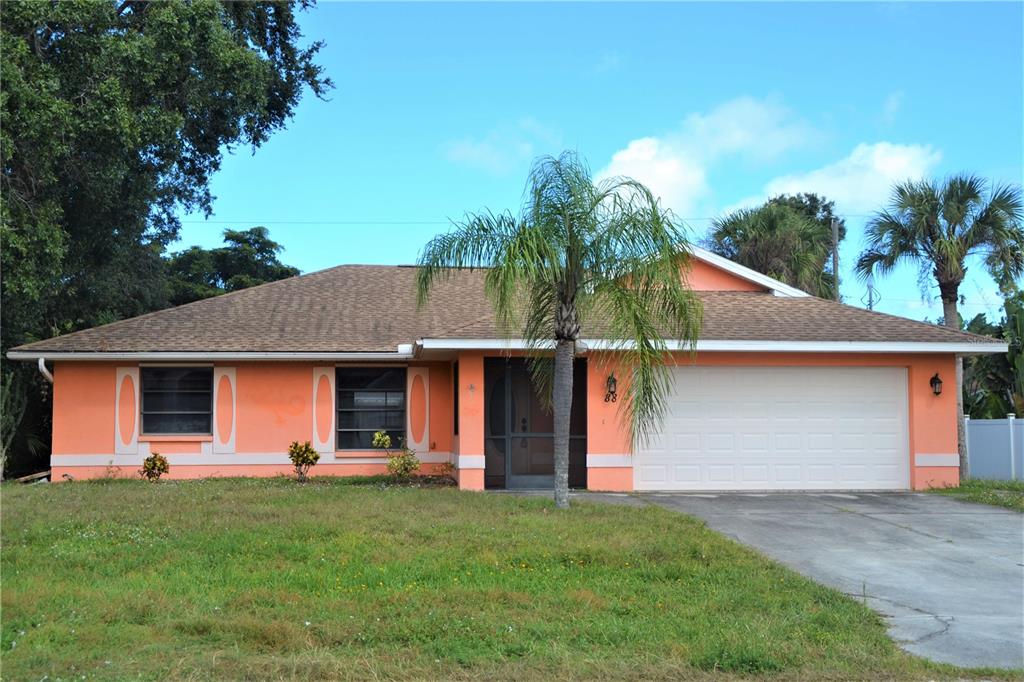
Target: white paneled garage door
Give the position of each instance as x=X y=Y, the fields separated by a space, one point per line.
x=780 y=428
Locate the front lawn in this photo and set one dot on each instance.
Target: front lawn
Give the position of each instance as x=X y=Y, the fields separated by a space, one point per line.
x=1008 y=494
x=244 y=578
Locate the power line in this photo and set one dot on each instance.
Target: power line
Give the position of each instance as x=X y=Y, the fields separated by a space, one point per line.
x=391 y=222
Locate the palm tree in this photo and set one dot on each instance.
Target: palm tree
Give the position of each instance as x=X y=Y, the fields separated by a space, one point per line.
x=779 y=241
x=938 y=226
x=579 y=251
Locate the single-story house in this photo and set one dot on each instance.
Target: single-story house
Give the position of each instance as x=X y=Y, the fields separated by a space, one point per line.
x=784 y=392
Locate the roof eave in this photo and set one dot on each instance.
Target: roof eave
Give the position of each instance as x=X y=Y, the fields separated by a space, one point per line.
x=739 y=346
x=403 y=352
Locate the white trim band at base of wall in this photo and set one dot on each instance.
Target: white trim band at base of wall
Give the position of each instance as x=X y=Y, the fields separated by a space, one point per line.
x=471 y=462
x=247 y=459
x=609 y=461
x=936 y=460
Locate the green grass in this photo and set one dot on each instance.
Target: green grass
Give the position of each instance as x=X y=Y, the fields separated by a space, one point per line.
x=1008 y=494
x=257 y=579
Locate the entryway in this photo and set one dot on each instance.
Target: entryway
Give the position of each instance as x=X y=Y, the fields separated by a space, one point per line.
x=519 y=432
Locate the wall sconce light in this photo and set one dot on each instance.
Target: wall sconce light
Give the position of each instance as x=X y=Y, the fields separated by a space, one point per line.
x=936 y=384
x=611 y=386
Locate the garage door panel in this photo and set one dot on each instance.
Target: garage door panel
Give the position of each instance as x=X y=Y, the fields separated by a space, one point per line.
x=807 y=428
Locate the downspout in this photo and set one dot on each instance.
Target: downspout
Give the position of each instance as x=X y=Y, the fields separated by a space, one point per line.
x=42 y=370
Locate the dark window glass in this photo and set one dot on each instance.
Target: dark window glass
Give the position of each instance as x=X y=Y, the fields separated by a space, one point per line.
x=363 y=440
x=375 y=378
x=370 y=399
x=455 y=398
x=177 y=400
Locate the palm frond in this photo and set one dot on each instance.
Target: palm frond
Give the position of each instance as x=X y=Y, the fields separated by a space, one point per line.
x=476 y=242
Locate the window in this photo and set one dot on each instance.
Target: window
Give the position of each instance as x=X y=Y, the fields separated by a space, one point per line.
x=370 y=399
x=455 y=398
x=177 y=400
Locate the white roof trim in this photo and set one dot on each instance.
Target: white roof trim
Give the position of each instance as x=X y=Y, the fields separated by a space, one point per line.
x=707 y=346
x=736 y=346
x=778 y=288
x=405 y=353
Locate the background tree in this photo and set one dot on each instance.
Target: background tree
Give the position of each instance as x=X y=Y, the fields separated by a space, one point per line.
x=248 y=259
x=115 y=115
x=815 y=207
x=577 y=252
x=994 y=384
x=788 y=238
x=938 y=226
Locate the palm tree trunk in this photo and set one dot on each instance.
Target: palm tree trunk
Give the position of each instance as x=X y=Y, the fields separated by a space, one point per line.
x=951 y=318
x=562 y=398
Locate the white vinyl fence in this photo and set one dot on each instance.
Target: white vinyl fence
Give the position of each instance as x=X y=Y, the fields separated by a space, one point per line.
x=995 y=448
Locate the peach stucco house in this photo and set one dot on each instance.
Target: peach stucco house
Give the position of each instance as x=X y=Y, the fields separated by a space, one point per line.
x=785 y=391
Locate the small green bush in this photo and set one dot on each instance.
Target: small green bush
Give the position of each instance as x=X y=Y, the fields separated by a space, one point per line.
x=154 y=466
x=303 y=457
x=402 y=463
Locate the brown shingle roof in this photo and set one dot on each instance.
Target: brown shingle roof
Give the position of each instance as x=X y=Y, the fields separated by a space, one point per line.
x=371 y=308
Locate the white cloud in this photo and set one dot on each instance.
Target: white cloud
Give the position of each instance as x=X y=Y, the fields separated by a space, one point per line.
x=860 y=182
x=675 y=165
x=505 y=148
x=679 y=180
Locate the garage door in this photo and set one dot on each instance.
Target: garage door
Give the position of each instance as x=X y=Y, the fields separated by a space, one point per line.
x=780 y=428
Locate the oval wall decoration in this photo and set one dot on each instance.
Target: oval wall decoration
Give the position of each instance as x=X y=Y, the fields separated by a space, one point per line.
x=225 y=409
x=417 y=408
x=126 y=409
x=324 y=409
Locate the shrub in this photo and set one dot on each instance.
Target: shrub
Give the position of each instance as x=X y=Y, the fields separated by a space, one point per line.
x=445 y=470
x=303 y=457
x=154 y=466
x=402 y=463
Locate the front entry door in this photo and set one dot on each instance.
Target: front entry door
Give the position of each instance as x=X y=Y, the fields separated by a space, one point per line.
x=519 y=432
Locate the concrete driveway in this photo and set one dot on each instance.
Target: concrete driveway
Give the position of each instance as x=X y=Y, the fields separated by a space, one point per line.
x=947 y=575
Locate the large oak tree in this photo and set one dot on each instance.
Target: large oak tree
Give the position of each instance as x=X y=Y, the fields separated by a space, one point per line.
x=115 y=117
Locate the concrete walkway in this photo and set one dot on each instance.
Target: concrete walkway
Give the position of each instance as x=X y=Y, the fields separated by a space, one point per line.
x=947 y=575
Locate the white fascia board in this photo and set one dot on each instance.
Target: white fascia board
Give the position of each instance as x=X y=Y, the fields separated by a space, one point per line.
x=483 y=344
x=181 y=356
x=735 y=346
x=777 y=287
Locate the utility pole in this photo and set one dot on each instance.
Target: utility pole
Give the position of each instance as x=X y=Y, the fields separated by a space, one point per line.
x=835 y=255
x=871 y=291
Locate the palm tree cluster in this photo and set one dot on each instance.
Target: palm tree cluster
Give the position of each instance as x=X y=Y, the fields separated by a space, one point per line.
x=779 y=241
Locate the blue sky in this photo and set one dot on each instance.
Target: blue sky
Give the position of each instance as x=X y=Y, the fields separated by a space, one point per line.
x=440 y=108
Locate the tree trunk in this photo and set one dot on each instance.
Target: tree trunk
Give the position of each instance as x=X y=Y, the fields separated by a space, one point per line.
x=951 y=318
x=565 y=350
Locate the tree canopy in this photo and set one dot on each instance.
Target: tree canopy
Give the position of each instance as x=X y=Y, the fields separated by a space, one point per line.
x=994 y=384
x=115 y=117
x=116 y=114
x=249 y=258
x=789 y=238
